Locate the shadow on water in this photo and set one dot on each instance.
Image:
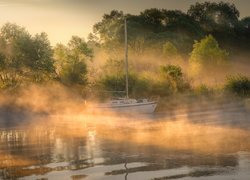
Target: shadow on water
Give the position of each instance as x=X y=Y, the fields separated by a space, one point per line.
x=13 y=115
x=85 y=146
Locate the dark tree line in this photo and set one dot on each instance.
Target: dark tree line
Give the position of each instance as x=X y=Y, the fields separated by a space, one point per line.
x=153 y=27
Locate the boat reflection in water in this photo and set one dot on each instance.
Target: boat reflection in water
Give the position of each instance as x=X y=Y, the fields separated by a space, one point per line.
x=69 y=148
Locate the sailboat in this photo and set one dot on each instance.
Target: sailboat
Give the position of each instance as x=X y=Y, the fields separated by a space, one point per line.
x=127 y=104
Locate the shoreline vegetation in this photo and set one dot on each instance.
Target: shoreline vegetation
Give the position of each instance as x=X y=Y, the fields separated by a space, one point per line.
x=184 y=58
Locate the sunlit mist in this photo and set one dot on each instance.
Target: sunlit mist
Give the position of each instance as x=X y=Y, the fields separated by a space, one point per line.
x=113 y=89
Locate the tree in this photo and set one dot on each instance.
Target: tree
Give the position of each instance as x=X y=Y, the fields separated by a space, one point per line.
x=37 y=57
x=181 y=23
x=25 y=57
x=246 y=22
x=32 y=52
x=42 y=53
x=14 y=38
x=93 y=41
x=148 y=31
x=71 y=61
x=214 y=16
x=110 y=29
x=152 y=18
x=244 y=33
x=207 y=56
x=164 y=25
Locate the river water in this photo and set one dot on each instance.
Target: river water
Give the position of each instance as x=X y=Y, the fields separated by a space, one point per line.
x=213 y=144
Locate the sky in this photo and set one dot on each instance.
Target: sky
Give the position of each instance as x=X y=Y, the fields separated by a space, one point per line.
x=61 y=19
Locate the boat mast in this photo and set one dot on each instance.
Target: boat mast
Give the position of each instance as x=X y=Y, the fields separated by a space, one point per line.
x=126 y=55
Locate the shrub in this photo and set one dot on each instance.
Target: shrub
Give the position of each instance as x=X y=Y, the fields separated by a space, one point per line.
x=172 y=71
x=173 y=76
x=203 y=90
x=239 y=85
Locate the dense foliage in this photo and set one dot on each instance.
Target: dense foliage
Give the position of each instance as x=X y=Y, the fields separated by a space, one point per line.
x=239 y=85
x=71 y=61
x=153 y=27
x=200 y=42
x=24 y=56
x=207 y=55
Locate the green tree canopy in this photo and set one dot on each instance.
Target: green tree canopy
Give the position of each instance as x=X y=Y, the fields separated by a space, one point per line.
x=207 y=55
x=110 y=29
x=71 y=61
x=24 y=56
x=148 y=30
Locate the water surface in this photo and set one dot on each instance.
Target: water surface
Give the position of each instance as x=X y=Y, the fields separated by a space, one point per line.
x=213 y=144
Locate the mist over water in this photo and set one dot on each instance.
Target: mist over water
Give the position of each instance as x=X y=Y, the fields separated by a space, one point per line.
x=58 y=139
x=196 y=64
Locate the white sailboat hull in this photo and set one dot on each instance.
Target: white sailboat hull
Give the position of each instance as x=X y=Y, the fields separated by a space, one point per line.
x=148 y=107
